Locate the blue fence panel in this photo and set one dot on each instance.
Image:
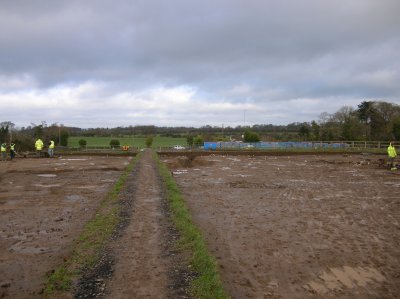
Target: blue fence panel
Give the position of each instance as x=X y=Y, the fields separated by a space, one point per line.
x=210 y=145
x=272 y=145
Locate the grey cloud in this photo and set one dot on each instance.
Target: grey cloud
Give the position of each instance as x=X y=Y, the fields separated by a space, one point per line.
x=282 y=49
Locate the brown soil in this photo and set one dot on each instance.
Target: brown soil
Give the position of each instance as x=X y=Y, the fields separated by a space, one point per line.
x=307 y=226
x=44 y=204
x=280 y=227
x=141 y=261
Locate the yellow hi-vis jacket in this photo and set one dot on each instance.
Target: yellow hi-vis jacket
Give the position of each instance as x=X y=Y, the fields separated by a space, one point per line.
x=3 y=147
x=39 y=145
x=391 y=151
x=51 y=144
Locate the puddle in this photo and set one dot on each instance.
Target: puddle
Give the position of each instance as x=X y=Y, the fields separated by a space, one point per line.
x=297 y=181
x=234 y=159
x=394 y=184
x=47 y=186
x=74 y=159
x=219 y=181
x=182 y=171
x=241 y=175
x=47 y=175
x=88 y=187
x=74 y=198
x=14 y=202
x=28 y=249
x=278 y=165
x=108 y=181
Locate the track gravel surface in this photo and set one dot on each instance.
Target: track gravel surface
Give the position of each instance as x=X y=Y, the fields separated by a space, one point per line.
x=141 y=260
x=140 y=271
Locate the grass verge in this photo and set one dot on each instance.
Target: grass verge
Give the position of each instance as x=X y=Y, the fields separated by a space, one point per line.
x=86 y=249
x=208 y=283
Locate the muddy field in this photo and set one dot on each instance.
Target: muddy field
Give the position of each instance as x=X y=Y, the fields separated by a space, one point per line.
x=280 y=227
x=297 y=226
x=44 y=204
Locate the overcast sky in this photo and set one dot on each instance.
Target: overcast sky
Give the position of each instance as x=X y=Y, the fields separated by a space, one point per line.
x=99 y=63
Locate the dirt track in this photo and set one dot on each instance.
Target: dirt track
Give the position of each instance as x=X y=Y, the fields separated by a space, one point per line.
x=298 y=226
x=141 y=260
x=140 y=271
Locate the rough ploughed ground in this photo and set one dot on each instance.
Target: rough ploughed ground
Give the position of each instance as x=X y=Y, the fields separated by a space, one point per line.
x=298 y=226
x=44 y=205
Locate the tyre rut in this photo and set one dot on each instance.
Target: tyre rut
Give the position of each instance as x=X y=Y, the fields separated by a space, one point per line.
x=140 y=270
x=141 y=260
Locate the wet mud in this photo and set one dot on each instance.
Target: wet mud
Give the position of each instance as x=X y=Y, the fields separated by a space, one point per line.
x=44 y=205
x=304 y=226
x=142 y=259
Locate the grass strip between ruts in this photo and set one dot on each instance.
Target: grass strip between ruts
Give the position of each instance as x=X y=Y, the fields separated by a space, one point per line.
x=207 y=284
x=87 y=248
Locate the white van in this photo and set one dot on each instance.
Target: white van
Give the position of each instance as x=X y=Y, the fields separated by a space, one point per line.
x=179 y=147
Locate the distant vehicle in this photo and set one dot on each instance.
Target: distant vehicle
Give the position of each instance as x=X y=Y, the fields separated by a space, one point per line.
x=179 y=147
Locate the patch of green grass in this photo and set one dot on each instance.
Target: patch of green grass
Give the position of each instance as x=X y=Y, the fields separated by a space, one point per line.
x=208 y=283
x=60 y=279
x=132 y=141
x=87 y=247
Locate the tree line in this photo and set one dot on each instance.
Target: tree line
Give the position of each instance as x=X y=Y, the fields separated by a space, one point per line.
x=370 y=120
x=25 y=137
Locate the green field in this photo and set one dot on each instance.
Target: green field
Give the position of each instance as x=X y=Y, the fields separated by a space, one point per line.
x=132 y=141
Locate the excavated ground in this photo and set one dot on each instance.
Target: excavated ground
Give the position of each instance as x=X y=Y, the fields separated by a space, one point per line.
x=312 y=226
x=44 y=205
x=309 y=226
